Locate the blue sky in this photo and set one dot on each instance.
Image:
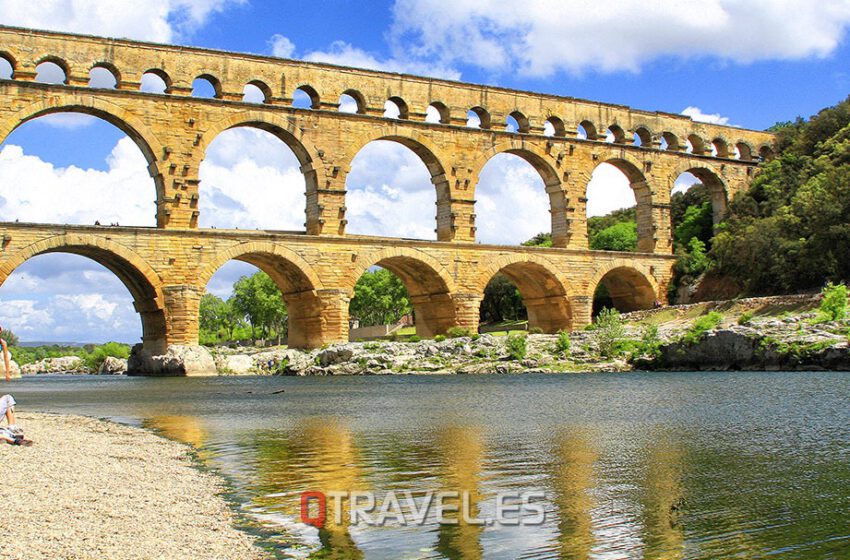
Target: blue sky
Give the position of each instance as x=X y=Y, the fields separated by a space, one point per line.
x=748 y=64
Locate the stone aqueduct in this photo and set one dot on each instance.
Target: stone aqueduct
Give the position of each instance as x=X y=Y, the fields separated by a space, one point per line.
x=166 y=268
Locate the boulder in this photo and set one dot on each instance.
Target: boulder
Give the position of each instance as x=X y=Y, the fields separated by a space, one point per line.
x=235 y=364
x=67 y=364
x=112 y=366
x=178 y=360
x=335 y=355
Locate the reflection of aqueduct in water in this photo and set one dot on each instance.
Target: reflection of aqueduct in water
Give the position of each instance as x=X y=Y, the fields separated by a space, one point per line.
x=166 y=268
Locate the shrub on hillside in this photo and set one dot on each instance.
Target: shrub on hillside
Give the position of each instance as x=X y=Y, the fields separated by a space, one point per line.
x=609 y=331
x=517 y=346
x=833 y=306
x=701 y=326
x=457 y=332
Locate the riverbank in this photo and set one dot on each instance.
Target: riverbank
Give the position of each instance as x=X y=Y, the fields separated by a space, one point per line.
x=91 y=489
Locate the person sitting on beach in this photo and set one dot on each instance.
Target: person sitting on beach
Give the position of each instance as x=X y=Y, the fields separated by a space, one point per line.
x=11 y=434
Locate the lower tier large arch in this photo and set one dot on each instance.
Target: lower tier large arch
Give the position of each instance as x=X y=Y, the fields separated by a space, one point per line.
x=143 y=283
x=427 y=282
x=310 y=318
x=544 y=292
x=629 y=287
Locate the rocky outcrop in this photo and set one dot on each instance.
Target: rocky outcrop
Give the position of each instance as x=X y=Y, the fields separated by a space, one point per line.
x=112 y=366
x=178 y=360
x=67 y=364
x=742 y=348
x=238 y=364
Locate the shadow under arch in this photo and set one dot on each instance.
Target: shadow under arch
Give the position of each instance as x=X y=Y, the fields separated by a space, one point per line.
x=551 y=181
x=296 y=279
x=427 y=153
x=291 y=135
x=544 y=293
x=713 y=183
x=134 y=128
x=143 y=283
x=643 y=200
x=429 y=285
x=629 y=287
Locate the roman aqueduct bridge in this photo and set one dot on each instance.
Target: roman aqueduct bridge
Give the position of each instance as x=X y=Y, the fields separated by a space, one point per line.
x=166 y=268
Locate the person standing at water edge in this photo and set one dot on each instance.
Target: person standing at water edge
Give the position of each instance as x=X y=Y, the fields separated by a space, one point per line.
x=5 y=356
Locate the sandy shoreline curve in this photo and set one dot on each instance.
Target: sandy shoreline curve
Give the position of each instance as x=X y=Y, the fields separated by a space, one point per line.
x=92 y=489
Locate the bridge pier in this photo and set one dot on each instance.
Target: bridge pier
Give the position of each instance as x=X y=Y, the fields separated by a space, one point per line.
x=317 y=317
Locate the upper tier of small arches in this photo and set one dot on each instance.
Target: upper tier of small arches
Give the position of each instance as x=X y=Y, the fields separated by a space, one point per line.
x=565 y=119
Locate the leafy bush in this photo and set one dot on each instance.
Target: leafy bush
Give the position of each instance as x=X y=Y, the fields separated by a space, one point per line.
x=746 y=318
x=702 y=326
x=475 y=337
x=414 y=338
x=517 y=346
x=650 y=342
x=609 y=330
x=833 y=306
x=535 y=330
x=563 y=344
x=439 y=338
x=97 y=356
x=457 y=332
x=10 y=338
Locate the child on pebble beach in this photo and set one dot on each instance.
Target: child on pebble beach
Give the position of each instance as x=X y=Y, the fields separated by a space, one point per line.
x=11 y=433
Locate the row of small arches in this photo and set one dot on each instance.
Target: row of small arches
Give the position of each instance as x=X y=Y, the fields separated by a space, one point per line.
x=106 y=76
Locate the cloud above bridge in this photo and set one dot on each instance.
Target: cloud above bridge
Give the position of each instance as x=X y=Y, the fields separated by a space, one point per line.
x=542 y=37
x=153 y=20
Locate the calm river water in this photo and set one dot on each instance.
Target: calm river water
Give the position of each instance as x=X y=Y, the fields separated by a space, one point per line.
x=660 y=465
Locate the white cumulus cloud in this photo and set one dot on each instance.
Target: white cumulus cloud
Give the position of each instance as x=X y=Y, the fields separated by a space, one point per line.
x=696 y=114
x=541 y=37
x=153 y=20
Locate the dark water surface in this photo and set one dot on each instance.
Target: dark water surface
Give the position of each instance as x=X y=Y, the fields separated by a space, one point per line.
x=661 y=465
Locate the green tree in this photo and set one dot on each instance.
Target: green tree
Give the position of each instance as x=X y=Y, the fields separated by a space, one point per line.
x=696 y=223
x=380 y=298
x=258 y=299
x=502 y=301
x=212 y=317
x=10 y=338
x=619 y=237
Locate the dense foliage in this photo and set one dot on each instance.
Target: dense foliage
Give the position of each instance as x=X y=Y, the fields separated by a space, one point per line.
x=380 y=298
x=791 y=231
x=256 y=308
x=502 y=302
x=92 y=355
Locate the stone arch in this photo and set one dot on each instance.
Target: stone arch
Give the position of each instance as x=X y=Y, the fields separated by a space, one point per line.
x=264 y=89
x=766 y=153
x=631 y=286
x=483 y=116
x=632 y=169
x=427 y=153
x=713 y=181
x=115 y=115
x=558 y=127
x=111 y=68
x=442 y=110
x=619 y=135
x=672 y=141
x=428 y=283
x=644 y=134
x=162 y=75
x=721 y=147
x=288 y=132
x=403 y=108
x=545 y=291
x=213 y=81
x=547 y=171
x=697 y=144
x=745 y=150
x=60 y=62
x=523 y=124
x=312 y=94
x=589 y=129
x=142 y=281
x=358 y=98
x=295 y=278
x=13 y=63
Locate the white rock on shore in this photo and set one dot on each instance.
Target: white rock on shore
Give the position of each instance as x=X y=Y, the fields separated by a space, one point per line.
x=66 y=364
x=112 y=366
x=90 y=489
x=179 y=360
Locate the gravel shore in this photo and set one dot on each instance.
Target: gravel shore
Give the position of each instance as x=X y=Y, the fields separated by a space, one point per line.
x=91 y=489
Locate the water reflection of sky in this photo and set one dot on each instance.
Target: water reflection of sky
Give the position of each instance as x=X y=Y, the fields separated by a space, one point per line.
x=637 y=465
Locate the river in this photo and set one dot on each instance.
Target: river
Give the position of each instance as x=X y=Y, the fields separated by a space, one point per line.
x=637 y=465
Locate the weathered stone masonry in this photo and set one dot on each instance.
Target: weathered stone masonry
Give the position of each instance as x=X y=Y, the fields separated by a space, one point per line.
x=166 y=268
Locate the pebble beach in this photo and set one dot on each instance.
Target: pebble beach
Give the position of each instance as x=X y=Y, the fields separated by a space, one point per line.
x=92 y=489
